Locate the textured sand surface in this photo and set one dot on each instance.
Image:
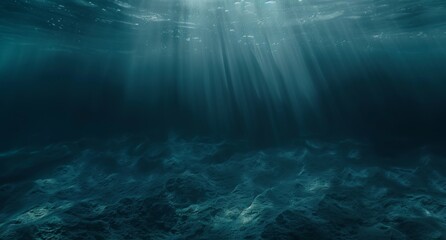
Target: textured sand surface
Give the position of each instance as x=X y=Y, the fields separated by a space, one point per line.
x=200 y=189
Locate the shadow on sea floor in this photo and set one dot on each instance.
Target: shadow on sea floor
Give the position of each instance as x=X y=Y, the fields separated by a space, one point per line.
x=199 y=188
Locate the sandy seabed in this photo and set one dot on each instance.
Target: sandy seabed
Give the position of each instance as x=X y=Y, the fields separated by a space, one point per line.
x=203 y=189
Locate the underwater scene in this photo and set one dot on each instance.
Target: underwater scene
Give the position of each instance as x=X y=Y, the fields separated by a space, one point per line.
x=223 y=119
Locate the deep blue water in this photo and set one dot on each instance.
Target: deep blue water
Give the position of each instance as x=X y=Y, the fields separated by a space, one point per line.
x=222 y=119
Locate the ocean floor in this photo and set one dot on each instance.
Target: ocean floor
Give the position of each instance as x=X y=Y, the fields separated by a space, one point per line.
x=133 y=188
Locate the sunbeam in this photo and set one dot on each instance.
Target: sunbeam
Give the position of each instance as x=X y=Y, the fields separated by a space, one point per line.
x=222 y=119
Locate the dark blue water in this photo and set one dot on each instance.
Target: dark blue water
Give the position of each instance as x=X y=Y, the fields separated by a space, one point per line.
x=222 y=119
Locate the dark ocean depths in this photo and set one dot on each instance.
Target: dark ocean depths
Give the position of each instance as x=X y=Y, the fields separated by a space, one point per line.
x=223 y=119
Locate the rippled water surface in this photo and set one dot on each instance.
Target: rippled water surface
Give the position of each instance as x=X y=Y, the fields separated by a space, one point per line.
x=263 y=69
x=222 y=119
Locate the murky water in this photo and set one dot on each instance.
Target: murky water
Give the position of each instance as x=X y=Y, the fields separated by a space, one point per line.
x=203 y=119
